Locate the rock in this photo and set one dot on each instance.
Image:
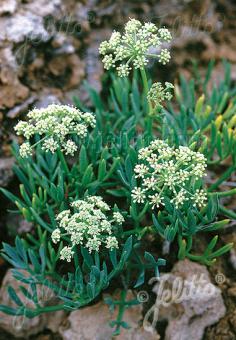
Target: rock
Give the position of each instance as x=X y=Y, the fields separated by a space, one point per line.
x=18 y=109
x=11 y=91
x=189 y=301
x=46 y=99
x=6 y=173
x=44 y=7
x=25 y=25
x=8 y=7
x=17 y=225
x=233 y=258
x=94 y=67
x=93 y=323
x=231 y=237
x=68 y=68
x=20 y=326
x=232 y=291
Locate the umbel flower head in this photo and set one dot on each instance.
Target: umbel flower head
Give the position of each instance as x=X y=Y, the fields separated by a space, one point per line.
x=87 y=225
x=133 y=48
x=158 y=94
x=166 y=172
x=56 y=125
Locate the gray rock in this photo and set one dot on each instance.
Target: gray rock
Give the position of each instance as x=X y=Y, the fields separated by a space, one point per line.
x=191 y=301
x=6 y=173
x=26 y=25
x=8 y=7
x=46 y=99
x=233 y=258
x=93 y=323
x=21 y=108
x=45 y=7
x=20 y=326
x=12 y=91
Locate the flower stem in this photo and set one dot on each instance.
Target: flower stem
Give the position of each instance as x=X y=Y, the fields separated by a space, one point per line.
x=63 y=161
x=122 y=307
x=30 y=313
x=149 y=119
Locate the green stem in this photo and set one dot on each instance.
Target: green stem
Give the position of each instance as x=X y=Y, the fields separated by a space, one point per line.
x=32 y=313
x=39 y=141
x=63 y=161
x=76 y=258
x=140 y=231
x=122 y=306
x=145 y=81
x=149 y=119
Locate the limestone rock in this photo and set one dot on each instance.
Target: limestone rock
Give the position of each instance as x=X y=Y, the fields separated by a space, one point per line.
x=21 y=326
x=192 y=301
x=8 y=7
x=9 y=81
x=93 y=323
x=6 y=171
x=21 y=108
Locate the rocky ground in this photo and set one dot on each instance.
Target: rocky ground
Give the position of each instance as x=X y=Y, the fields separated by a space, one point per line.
x=47 y=49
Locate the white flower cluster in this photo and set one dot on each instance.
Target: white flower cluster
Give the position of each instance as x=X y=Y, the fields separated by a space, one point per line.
x=56 y=124
x=88 y=225
x=158 y=94
x=168 y=172
x=133 y=47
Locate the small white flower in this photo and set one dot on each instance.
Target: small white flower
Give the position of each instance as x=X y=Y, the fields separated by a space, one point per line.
x=132 y=26
x=87 y=224
x=164 y=171
x=50 y=145
x=180 y=198
x=156 y=200
x=149 y=182
x=56 y=124
x=56 y=235
x=138 y=195
x=63 y=214
x=123 y=70
x=66 y=254
x=93 y=244
x=89 y=119
x=164 y=57
x=25 y=150
x=111 y=242
x=140 y=170
x=118 y=217
x=132 y=48
x=165 y=34
x=70 y=148
x=200 y=198
x=108 y=61
x=158 y=94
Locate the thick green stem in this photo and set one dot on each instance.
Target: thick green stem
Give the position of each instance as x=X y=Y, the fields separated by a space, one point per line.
x=76 y=258
x=148 y=119
x=122 y=306
x=32 y=313
x=145 y=81
x=140 y=231
x=63 y=161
